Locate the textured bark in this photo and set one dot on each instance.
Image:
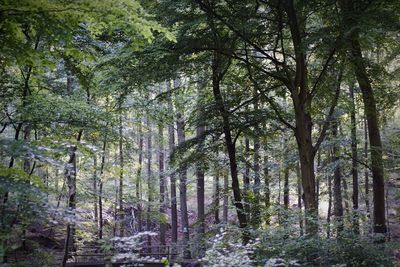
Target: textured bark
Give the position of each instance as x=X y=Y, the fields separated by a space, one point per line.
x=256 y=210
x=182 y=191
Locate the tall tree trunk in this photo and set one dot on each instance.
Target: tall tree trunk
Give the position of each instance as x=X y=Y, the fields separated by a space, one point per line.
x=139 y=178
x=379 y=219
x=150 y=188
x=328 y=217
x=216 y=198
x=267 y=197
x=163 y=225
x=218 y=72
x=337 y=188
x=182 y=191
x=229 y=142
x=121 y=179
x=200 y=195
x=256 y=210
x=70 y=174
x=102 y=166
x=286 y=188
x=95 y=192
x=354 y=159
x=374 y=138
x=246 y=179
x=225 y=204
x=366 y=172
x=299 y=194
x=171 y=148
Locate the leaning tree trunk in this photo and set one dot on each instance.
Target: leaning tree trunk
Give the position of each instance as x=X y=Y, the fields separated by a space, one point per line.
x=379 y=220
x=360 y=70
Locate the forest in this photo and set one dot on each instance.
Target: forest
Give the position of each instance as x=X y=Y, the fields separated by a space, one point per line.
x=199 y=133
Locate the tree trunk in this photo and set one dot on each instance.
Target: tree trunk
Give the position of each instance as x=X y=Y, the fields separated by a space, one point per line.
x=171 y=148
x=121 y=180
x=299 y=194
x=216 y=199
x=163 y=225
x=366 y=172
x=360 y=70
x=95 y=192
x=225 y=204
x=182 y=191
x=267 y=197
x=70 y=174
x=103 y=162
x=354 y=159
x=230 y=145
x=200 y=195
x=150 y=189
x=246 y=179
x=139 y=178
x=337 y=188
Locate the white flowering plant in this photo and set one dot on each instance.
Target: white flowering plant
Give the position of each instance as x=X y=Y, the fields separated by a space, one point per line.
x=127 y=249
x=227 y=249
